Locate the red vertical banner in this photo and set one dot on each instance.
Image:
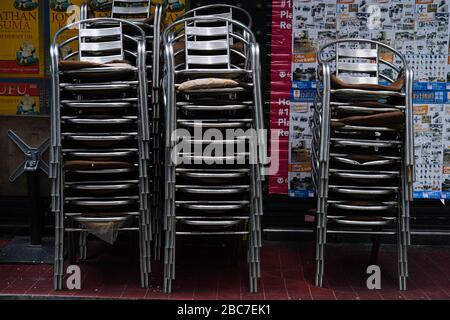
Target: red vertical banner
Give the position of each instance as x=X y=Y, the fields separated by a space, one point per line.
x=280 y=86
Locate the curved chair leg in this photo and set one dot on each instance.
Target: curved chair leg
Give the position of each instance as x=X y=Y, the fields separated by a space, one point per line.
x=320 y=247
x=401 y=237
x=83 y=245
x=376 y=239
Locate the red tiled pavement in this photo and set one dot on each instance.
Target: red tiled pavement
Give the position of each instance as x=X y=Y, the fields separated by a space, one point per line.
x=287 y=272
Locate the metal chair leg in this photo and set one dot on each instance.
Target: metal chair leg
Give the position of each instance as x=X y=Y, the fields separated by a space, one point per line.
x=376 y=239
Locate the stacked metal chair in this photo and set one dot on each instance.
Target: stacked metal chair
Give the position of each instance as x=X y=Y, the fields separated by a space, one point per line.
x=149 y=17
x=100 y=137
x=139 y=12
x=211 y=194
x=362 y=149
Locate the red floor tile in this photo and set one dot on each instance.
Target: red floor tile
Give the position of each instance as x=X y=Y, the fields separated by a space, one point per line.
x=7 y=280
x=246 y=295
x=20 y=286
x=321 y=293
x=206 y=291
x=134 y=293
x=345 y=295
x=287 y=273
x=41 y=287
x=156 y=293
x=366 y=294
x=297 y=290
x=274 y=289
x=111 y=291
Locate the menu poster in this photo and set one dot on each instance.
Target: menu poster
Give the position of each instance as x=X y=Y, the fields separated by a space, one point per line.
x=21 y=52
x=20 y=97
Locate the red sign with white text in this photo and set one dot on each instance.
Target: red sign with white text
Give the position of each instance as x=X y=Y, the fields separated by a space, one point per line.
x=280 y=85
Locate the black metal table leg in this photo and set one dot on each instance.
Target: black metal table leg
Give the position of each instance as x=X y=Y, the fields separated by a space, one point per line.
x=36 y=212
x=35 y=248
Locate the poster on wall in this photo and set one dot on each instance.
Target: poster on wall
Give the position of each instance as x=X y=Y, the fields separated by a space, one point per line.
x=20 y=97
x=176 y=8
x=428 y=151
x=280 y=86
x=60 y=13
x=300 y=183
x=21 y=52
x=419 y=29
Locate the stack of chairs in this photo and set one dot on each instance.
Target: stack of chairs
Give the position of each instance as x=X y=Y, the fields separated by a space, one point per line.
x=139 y=12
x=100 y=137
x=150 y=17
x=211 y=84
x=362 y=149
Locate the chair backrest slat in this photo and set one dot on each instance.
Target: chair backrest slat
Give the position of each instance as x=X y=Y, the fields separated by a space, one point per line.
x=206 y=31
x=100 y=32
x=207 y=45
x=100 y=45
x=360 y=53
x=213 y=38
x=103 y=59
x=357 y=65
x=206 y=42
x=358 y=80
x=208 y=60
x=139 y=8
x=359 y=61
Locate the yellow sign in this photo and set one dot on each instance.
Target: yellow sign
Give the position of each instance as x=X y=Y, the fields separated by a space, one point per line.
x=19 y=98
x=176 y=9
x=21 y=52
x=61 y=13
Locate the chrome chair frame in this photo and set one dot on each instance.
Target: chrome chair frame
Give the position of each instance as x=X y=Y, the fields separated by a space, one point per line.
x=321 y=156
x=173 y=33
x=195 y=12
x=56 y=163
x=153 y=36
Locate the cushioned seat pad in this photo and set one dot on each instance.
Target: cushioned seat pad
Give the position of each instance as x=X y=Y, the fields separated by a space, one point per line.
x=397 y=85
x=380 y=119
x=67 y=65
x=207 y=83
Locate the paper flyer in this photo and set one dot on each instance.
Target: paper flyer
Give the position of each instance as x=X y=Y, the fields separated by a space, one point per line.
x=300 y=183
x=428 y=152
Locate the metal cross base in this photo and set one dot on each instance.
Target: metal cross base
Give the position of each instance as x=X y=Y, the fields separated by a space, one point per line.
x=33 y=156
